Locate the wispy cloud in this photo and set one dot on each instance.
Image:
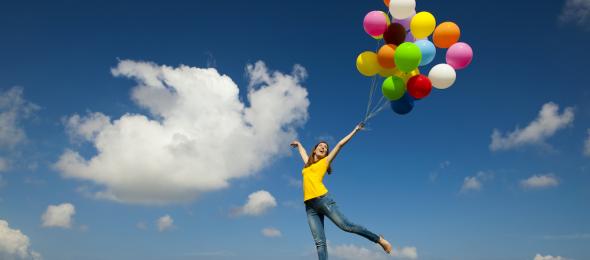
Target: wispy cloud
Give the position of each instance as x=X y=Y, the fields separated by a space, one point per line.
x=60 y=216
x=165 y=223
x=548 y=257
x=271 y=232
x=567 y=237
x=577 y=12
x=258 y=203
x=475 y=183
x=540 y=181
x=197 y=136
x=354 y=252
x=544 y=126
x=441 y=166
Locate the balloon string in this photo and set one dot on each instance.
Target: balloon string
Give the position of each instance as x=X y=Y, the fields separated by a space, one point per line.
x=376 y=112
x=372 y=88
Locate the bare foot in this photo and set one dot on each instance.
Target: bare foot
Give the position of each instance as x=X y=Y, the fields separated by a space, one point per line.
x=385 y=244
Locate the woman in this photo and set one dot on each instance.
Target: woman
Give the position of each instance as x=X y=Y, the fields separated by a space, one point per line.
x=317 y=201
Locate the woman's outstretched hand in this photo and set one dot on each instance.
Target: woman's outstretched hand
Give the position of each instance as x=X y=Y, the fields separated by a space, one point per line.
x=360 y=126
x=295 y=144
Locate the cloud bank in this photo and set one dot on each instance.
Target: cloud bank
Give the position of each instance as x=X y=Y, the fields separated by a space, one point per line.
x=199 y=134
x=14 y=245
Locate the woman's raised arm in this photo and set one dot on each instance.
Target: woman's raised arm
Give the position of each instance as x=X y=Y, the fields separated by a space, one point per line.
x=301 y=150
x=342 y=142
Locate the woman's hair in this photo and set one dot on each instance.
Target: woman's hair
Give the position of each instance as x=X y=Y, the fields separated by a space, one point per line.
x=311 y=159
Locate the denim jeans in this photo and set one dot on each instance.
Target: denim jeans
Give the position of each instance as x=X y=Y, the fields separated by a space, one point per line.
x=322 y=206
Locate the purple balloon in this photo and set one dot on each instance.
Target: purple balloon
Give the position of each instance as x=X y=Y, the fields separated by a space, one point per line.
x=410 y=37
x=405 y=22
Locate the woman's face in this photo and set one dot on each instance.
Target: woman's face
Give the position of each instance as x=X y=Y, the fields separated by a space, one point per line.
x=321 y=150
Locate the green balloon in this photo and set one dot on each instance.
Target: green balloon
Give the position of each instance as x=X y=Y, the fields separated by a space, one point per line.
x=393 y=88
x=407 y=56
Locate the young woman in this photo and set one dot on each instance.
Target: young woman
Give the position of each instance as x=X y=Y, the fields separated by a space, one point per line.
x=317 y=201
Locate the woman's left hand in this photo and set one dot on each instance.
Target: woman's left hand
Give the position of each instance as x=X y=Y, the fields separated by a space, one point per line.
x=360 y=126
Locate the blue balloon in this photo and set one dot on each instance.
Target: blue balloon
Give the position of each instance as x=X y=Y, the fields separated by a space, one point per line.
x=428 y=51
x=403 y=105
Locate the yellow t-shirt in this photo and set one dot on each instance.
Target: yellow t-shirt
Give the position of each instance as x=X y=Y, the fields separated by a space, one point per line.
x=312 y=179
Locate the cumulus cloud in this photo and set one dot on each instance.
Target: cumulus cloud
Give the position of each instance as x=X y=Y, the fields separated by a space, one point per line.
x=587 y=145
x=258 y=203
x=354 y=252
x=576 y=11
x=14 y=245
x=199 y=134
x=165 y=223
x=544 y=126
x=540 y=181
x=474 y=183
x=271 y=232
x=59 y=216
x=548 y=257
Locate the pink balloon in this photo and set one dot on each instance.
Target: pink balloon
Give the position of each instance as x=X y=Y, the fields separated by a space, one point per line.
x=459 y=55
x=376 y=23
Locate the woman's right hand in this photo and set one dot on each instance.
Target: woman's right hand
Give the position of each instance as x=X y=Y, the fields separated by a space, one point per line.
x=295 y=143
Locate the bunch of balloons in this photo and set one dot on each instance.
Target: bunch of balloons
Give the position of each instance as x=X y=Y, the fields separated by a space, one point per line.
x=407 y=47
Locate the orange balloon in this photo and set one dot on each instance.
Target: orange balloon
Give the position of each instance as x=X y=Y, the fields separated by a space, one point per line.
x=446 y=34
x=386 y=2
x=385 y=56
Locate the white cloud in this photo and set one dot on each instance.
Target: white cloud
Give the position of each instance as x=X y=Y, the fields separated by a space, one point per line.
x=548 y=257
x=353 y=252
x=587 y=145
x=576 y=11
x=13 y=109
x=141 y=225
x=59 y=215
x=14 y=245
x=271 y=232
x=200 y=134
x=540 y=181
x=258 y=203
x=87 y=127
x=165 y=223
x=474 y=183
x=543 y=127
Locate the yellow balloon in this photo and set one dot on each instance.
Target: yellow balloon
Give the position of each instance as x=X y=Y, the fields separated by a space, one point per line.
x=422 y=25
x=367 y=63
x=405 y=75
x=385 y=72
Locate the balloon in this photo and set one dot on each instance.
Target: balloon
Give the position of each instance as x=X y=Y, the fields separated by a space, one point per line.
x=385 y=72
x=367 y=63
x=446 y=34
x=419 y=86
x=401 y=9
x=395 y=34
x=459 y=55
x=422 y=24
x=403 y=105
x=406 y=21
x=393 y=88
x=385 y=56
x=409 y=37
x=428 y=51
x=376 y=23
x=442 y=76
x=407 y=56
x=386 y=2
x=406 y=75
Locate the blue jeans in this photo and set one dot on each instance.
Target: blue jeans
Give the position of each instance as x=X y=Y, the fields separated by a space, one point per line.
x=322 y=206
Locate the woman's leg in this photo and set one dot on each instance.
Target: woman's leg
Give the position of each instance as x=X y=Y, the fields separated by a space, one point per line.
x=330 y=209
x=315 y=220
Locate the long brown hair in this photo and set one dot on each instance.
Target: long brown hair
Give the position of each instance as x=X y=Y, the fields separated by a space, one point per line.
x=311 y=160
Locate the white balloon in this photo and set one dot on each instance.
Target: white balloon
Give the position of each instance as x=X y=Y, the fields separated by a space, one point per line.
x=402 y=9
x=442 y=76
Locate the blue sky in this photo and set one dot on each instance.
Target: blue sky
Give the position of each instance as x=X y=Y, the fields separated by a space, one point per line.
x=430 y=181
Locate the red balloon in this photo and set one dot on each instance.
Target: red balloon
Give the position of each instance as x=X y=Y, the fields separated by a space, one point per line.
x=419 y=86
x=395 y=34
